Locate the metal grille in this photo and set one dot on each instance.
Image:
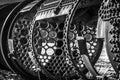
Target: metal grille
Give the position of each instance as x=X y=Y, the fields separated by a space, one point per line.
x=49 y=47
x=21 y=43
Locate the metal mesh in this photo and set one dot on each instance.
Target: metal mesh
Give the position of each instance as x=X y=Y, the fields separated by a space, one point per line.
x=49 y=47
x=21 y=43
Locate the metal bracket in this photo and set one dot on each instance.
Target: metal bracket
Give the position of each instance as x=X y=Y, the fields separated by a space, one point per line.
x=11 y=49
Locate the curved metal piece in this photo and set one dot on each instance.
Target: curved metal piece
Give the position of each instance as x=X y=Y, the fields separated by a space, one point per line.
x=100 y=33
x=112 y=22
x=86 y=59
x=109 y=46
x=3 y=16
x=88 y=65
x=103 y=30
x=11 y=63
x=48 y=41
x=92 y=44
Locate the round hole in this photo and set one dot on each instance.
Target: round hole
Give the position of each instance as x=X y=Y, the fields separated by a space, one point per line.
x=88 y=37
x=71 y=44
x=41 y=56
x=52 y=34
x=54 y=25
x=72 y=27
x=75 y=54
x=44 y=33
x=43 y=51
x=40 y=42
x=61 y=26
x=39 y=50
x=60 y=35
x=90 y=54
x=81 y=27
x=22 y=26
x=35 y=41
x=88 y=31
x=94 y=44
x=84 y=32
x=93 y=51
x=46 y=60
x=82 y=65
x=44 y=64
x=59 y=43
x=46 y=47
x=51 y=43
x=71 y=36
x=67 y=62
x=89 y=51
x=58 y=52
x=42 y=60
x=16 y=30
x=24 y=21
x=22 y=61
x=45 y=57
x=50 y=51
x=92 y=47
x=80 y=62
x=37 y=24
x=44 y=24
x=54 y=47
x=44 y=43
x=23 y=41
x=49 y=57
x=19 y=22
x=88 y=45
x=16 y=25
x=24 y=32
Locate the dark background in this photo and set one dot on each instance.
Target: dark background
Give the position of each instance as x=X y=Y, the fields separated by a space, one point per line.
x=8 y=1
